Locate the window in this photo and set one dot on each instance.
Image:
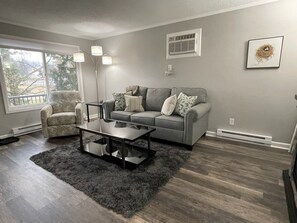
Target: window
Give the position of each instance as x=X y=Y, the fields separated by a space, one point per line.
x=29 y=76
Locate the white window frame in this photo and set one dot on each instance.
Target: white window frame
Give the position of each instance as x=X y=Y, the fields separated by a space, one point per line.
x=37 y=46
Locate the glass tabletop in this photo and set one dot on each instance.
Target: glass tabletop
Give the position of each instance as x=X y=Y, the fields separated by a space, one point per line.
x=117 y=129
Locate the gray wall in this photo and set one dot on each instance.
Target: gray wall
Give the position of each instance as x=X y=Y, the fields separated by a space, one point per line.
x=8 y=121
x=261 y=101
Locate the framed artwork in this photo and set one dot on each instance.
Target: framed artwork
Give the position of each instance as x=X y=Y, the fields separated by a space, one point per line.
x=264 y=53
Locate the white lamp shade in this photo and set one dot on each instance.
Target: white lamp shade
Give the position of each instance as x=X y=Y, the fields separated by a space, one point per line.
x=107 y=60
x=96 y=50
x=79 y=57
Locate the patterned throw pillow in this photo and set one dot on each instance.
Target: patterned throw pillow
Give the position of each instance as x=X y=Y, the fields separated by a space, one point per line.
x=133 y=103
x=119 y=98
x=184 y=103
x=169 y=105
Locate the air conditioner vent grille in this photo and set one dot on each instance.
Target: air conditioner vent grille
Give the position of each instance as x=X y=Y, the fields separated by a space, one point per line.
x=184 y=44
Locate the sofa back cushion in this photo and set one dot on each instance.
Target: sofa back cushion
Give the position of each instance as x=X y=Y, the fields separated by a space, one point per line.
x=142 y=92
x=199 y=92
x=64 y=101
x=155 y=98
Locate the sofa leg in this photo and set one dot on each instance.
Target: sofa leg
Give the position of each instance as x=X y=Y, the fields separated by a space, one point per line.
x=189 y=147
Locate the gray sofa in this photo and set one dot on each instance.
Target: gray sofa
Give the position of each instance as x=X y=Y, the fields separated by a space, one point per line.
x=186 y=130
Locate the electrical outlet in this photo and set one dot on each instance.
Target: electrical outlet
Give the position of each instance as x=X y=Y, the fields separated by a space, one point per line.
x=231 y=121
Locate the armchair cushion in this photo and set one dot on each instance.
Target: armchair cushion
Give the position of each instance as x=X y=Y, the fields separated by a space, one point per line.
x=64 y=101
x=62 y=118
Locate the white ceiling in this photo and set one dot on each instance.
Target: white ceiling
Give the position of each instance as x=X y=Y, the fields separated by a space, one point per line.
x=95 y=19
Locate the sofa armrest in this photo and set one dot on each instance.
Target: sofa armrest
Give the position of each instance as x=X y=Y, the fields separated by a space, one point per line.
x=79 y=114
x=196 y=122
x=108 y=107
x=197 y=112
x=45 y=113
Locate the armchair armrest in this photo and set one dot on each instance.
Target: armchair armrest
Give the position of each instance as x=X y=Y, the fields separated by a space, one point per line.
x=45 y=113
x=108 y=107
x=79 y=114
x=196 y=122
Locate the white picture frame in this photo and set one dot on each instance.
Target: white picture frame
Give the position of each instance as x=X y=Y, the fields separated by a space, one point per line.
x=264 y=52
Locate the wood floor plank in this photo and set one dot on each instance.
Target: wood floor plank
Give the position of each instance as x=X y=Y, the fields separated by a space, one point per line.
x=223 y=181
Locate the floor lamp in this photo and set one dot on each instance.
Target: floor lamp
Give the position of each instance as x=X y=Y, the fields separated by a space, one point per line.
x=96 y=53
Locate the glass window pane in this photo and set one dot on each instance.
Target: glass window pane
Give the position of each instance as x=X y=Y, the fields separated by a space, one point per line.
x=24 y=77
x=61 y=72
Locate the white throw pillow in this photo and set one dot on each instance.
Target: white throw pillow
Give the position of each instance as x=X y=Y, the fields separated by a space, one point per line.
x=169 y=105
x=184 y=103
x=133 y=103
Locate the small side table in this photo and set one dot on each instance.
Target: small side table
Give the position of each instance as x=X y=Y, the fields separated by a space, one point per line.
x=96 y=104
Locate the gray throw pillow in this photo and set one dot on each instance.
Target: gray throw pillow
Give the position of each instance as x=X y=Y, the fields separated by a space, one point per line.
x=184 y=103
x=120 y=103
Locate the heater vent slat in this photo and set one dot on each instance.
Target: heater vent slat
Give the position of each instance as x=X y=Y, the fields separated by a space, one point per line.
x=26 y=129
x=245 y=136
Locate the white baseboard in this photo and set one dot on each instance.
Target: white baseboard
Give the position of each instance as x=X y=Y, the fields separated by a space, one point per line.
x=278 y=145
x=6 y=136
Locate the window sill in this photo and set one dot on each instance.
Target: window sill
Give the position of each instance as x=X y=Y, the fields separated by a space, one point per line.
x=19 y=109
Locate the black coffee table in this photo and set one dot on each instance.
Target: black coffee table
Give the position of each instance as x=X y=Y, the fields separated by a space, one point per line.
x=116 y=144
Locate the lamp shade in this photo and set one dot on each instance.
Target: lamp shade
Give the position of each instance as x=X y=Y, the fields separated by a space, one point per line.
x=107 y=60
x=96 y=50
x=79 y=57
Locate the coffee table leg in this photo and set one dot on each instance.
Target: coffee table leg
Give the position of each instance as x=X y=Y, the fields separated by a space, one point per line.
x=81 y=140
x=109 y=144
x=148 y=144
x=88 y=113
x=123 y=155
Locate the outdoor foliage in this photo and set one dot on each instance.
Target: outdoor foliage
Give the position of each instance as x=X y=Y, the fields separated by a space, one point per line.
x=24 y=73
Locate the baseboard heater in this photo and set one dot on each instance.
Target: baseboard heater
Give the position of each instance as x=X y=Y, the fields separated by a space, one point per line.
x=26 y=129
x=245 y=136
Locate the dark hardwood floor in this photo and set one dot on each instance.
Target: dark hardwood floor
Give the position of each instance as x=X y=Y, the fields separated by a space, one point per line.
x=223 y=181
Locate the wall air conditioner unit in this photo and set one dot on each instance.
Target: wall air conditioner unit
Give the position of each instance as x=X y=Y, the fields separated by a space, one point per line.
x=245 y=136
x=184 y=44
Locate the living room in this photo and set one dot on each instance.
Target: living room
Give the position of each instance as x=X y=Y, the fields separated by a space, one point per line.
x=250 y=102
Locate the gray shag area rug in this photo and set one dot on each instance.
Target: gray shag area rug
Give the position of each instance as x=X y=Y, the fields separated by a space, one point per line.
x=123 y=191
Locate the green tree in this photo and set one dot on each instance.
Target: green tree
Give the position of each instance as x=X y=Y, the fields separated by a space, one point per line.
x=62 y=72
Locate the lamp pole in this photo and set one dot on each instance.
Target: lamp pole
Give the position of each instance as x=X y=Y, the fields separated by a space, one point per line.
x=96 y=53
x=79 y=57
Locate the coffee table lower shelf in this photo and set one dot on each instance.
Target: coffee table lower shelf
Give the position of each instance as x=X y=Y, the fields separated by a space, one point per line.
x=136 y=155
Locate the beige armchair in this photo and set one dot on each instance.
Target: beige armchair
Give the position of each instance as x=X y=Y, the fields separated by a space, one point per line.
x=61 y=116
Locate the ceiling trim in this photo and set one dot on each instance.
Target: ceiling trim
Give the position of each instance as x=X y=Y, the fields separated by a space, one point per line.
x=248 y=5
x=45 y=30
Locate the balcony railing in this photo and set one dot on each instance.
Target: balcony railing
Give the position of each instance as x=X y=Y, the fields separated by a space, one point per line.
x=33 y=99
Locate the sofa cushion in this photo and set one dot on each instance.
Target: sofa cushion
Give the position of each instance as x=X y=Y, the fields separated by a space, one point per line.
x=119 y=104
x=121 y=115
x=133 y=103
x=184 y=103
x=146 y=118
x=200 y=92
x=171 y=122
x=142 y=92
x=169 y=105
x=155 y=98
x=62 y=118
